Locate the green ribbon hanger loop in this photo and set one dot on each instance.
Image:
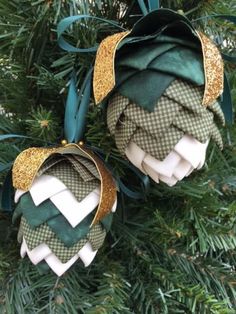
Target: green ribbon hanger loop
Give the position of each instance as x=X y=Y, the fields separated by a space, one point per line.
x=226 y=103
x=68 y=21
x=143 y=7
x=84 y=100
x=152 y=5
x=77 y=108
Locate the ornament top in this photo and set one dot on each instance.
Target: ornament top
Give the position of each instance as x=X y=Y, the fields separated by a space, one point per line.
x=165 y=31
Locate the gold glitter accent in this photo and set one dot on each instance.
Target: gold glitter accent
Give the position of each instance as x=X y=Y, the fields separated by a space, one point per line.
x=108 y=186
x=27 y=165
x=28 y=162
x=214 y=70
x=104 y=68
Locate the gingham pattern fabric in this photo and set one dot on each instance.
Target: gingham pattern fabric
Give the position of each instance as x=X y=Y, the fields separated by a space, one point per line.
x=43 y=234
x=81 y=177
x=50 y=162
x=179 y=111
x=72 y=179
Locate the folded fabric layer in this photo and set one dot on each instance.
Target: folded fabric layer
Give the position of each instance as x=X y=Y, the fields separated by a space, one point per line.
x=157 y=59
x=178 y=112
x=42 y=252
x=187 y=155
x=57 y=211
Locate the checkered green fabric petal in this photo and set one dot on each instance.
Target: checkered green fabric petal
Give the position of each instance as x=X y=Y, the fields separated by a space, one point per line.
x=216 y=109
x=195 y=125
x=186 y=95
x=37 y=236
x=124 y=132
x=50 y=162
x=179 y=111
x=161 y=147
x=159 y=119
x=71 y=178
x=43 y=234
x=114 y=112
x=90 y=166
x=85 y=174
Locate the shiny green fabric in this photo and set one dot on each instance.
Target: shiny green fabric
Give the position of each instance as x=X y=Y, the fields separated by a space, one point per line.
x=35 y=215
x=145 y=83
x=158 y=19
x=145 y=70
x=46 y=212
x=162 y=46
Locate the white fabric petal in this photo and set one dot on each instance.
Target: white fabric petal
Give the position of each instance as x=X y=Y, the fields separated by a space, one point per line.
x=23 y=249
x=152 y=173
x=44 y=187
x=37 y=254
x=191 y=150
x=18 y=195
x=57 y=266
x=73 y=210
x=182 y=169
x=135 y=155
x=168 y=180
x=86 y=254
x=190 y=171
x=165 y=167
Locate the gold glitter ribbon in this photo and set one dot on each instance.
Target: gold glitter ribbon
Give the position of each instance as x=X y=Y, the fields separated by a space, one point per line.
x=104 y=68
x=108 y=187
x=28 y=163
x=213 y=69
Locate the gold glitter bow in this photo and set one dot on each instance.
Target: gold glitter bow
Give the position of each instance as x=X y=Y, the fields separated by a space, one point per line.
x=28 y=163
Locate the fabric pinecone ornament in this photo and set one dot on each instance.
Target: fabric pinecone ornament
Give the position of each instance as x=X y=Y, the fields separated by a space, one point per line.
x=65 y=202
x=162 y=108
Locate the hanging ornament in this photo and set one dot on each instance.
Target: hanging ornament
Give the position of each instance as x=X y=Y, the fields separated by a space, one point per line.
x=65 y=201
x=164 y=80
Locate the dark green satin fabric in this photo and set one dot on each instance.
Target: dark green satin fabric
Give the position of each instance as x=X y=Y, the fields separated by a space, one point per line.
x=35 y=215
x=144 y=70
x=157 y=19
x=160 y=48
x=143 y=83
x=47 y=212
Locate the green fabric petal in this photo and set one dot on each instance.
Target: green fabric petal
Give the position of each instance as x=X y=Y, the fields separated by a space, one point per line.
x=66 y=233
x=43 y=234
x=107 y=221
x=179 y=111
x=182 y=63
x=156 y=19
x=141 y=57
x=72 y=180
x=146 y=87
x=35 y=215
